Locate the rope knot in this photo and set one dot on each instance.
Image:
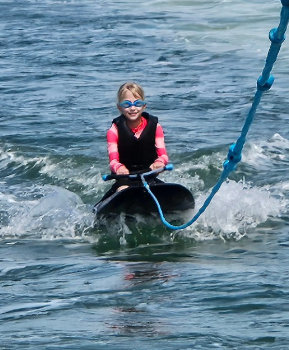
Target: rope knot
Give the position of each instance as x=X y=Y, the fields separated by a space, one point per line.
x=273 y=36
x=233 y=158
x=265 y=86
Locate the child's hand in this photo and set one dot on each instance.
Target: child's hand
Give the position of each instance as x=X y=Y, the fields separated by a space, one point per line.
x=122 y=170
x=156 y=165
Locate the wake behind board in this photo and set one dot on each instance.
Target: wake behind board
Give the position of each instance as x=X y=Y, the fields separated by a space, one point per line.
x=136 y=200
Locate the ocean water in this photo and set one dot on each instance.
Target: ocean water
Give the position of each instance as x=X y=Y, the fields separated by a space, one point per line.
x=222 y=283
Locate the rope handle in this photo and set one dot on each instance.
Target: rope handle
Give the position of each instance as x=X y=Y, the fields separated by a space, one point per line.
x=168 y=167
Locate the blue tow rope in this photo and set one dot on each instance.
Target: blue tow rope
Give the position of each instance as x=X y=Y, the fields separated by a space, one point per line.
x=264 y=83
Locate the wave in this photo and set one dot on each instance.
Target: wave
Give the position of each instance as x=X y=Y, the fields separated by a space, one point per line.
x=76 y=173
x=56 y=202
x=55 y=213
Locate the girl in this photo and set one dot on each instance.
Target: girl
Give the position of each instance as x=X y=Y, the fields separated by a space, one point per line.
x=135 y=139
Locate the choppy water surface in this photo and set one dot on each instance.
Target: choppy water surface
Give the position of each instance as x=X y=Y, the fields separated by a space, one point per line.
x=220 y=284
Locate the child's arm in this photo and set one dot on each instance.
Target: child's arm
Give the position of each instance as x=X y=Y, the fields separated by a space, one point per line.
x=113 y=155
x=162 y=158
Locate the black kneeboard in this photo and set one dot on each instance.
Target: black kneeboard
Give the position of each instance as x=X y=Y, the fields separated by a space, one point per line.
x=136 y=200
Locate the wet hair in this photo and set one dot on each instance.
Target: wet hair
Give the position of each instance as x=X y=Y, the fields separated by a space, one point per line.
x=133 y=87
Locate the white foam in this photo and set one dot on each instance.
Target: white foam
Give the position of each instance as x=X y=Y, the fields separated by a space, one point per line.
x=58 y=213
x=263 y=153
x=236 y=208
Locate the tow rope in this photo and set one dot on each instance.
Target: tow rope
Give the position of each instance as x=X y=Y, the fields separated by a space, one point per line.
x=264 y=83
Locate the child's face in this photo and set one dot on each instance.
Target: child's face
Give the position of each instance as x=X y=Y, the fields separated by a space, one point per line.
x=133 y=113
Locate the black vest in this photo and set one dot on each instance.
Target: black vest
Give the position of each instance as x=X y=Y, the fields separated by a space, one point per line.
x=137 y=153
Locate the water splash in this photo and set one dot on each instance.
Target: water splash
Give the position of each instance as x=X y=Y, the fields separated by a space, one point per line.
x=237 y=208
x=263 y=153
x=55 y=213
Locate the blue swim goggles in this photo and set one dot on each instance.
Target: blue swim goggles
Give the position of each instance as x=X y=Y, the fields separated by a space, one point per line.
x=128 y=104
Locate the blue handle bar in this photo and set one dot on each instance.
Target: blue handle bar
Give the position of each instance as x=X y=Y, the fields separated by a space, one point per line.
x=168 y=167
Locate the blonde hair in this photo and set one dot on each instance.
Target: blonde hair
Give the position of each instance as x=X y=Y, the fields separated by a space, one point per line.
x=133 y=87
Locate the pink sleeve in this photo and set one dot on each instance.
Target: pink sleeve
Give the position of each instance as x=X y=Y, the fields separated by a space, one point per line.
x=112 y=148
x=160 y=146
